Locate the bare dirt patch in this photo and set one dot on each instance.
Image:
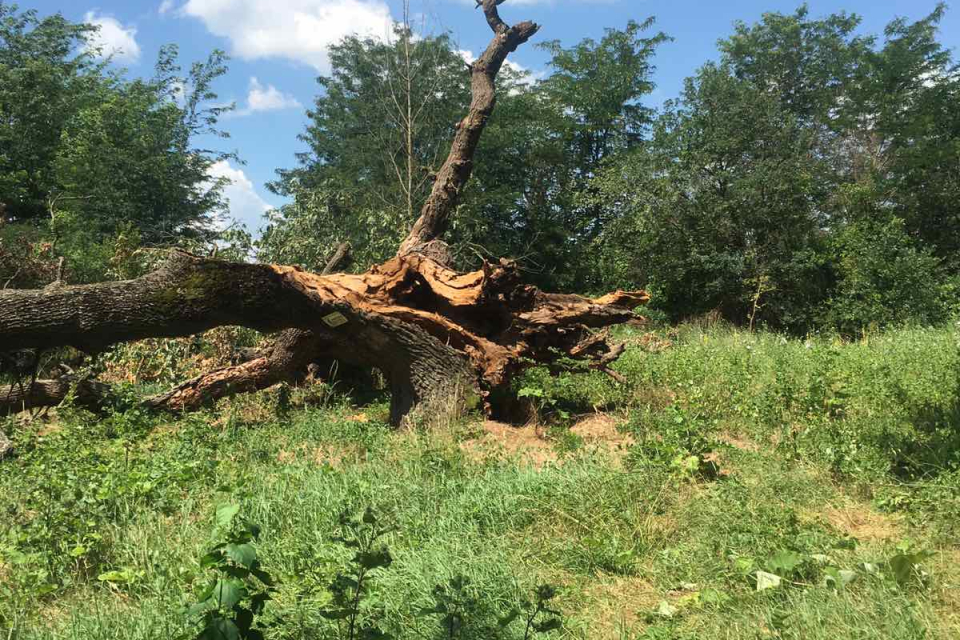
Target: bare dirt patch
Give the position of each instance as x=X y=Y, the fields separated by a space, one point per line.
x=947 y=601
x=499 y=440
x=616 y=606
x=601 y=432
x=334 y=455
x=739 y=442
x=863 y=523
x=531 y=445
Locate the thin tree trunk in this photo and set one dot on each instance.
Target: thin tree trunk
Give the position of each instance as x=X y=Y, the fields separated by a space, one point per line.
x=456 y=171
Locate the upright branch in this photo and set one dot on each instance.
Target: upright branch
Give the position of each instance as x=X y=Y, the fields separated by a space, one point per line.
x=455 y=172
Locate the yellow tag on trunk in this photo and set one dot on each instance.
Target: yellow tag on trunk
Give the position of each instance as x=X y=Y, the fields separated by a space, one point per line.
x=335 y=319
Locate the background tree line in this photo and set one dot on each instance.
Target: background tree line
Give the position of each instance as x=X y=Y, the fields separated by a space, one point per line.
x=94 y=165
x=809 y=178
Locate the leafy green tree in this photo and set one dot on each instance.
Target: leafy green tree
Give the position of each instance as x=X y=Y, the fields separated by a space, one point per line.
x=884 y=278
x=43 y=82
x=884 y=113
x=378 y=132
x=806 y=140
x=91 y=161
x=909 y=156
x=809 y=64
x=127 y=156
x=305 y=232
x=718 y=206
x=593 y=111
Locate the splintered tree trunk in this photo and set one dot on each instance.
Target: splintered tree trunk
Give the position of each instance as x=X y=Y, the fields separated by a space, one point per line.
x=442 y=339
x=429 y=329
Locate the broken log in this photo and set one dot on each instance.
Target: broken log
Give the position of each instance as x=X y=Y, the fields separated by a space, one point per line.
x=87 y=393
x=427 y=327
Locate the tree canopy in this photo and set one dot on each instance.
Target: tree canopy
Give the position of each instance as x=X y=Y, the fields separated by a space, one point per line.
x=88 y=156
x=795 y=182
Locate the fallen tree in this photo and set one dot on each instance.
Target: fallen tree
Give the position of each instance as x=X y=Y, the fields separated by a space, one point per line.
x=442 y=339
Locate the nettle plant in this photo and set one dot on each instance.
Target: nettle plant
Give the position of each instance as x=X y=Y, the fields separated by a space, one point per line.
x=458 y=612
x=537 y=613
x=354 y=608
x=233 y=600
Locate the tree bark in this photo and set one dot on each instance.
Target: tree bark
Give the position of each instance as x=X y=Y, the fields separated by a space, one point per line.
x=285 y=360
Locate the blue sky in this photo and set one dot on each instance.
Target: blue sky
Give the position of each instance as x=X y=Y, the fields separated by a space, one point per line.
x=278 y=48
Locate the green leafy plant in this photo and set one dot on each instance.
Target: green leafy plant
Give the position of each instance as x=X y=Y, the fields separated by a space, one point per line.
x=680 y=441
x=905 y=566
x=452 y=604
x=543 y=401
x=350 y=589
x=537 y=614
x=239 y=588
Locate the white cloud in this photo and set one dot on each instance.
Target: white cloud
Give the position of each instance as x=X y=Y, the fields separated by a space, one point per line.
x=473 y=3
x=113 y=38
x=298 y=30
x=528 y=77
x=267 y=98
x=244 y=203
x=165 y=7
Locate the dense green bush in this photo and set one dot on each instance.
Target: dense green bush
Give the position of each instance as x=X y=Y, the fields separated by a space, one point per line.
x=883 y=279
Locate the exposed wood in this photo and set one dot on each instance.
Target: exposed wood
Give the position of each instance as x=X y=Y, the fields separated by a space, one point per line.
x=289 y=354
x=487 y=322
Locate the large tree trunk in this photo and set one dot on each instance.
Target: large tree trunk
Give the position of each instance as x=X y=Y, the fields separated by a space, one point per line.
x=285 y=360
x=428 y=328
x=441 y=338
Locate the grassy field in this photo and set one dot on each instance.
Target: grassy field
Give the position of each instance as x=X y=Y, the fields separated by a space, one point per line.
x=739 y=486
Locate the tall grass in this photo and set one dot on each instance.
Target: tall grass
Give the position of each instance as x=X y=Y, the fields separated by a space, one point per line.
x=738 y=453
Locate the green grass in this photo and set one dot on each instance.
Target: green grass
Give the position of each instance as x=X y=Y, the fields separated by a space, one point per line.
x=739 y=453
